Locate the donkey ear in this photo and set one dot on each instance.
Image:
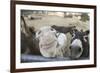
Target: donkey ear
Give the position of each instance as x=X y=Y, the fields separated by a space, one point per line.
x=53 y=26
x=86 y=32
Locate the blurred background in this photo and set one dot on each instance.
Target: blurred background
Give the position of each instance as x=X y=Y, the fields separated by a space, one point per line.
x=39 y=18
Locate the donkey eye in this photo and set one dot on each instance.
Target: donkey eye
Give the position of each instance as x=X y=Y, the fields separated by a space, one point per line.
x=52 y=29
x=39 y=32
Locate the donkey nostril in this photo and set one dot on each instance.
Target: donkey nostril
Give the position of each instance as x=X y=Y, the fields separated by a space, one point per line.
x=70 y=47
x=79 y=49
